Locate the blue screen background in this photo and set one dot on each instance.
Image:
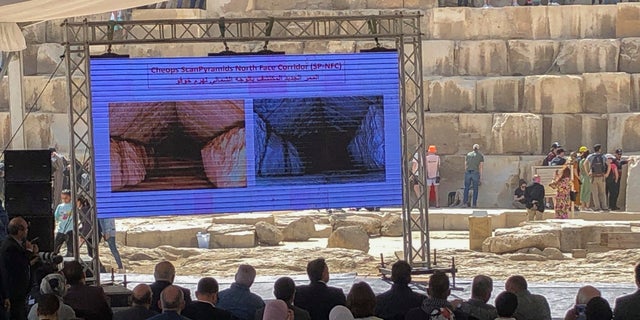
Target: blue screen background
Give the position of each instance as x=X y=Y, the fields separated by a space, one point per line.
x=245 y=78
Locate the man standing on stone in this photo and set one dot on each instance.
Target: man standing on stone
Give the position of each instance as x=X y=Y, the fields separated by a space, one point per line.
x=598 y=171
x=534 y=196
x=472 y=174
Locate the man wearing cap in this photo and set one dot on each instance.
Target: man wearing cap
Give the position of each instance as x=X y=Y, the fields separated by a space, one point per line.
x=472 y=174
x=433 y=173
x=552 y=154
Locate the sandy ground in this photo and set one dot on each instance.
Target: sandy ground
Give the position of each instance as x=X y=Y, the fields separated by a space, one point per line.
x=290 y=258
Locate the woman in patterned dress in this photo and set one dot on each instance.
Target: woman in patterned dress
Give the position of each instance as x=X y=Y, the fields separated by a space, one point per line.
x=563 y=200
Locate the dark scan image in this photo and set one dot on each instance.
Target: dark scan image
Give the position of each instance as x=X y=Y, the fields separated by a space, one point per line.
x=319 y=140
x=177 y=145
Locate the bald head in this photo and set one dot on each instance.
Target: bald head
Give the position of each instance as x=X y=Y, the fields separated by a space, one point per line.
x=586 y=293
x=164 y=271
x=142 y=295
x=246 y=275
x=172 y=299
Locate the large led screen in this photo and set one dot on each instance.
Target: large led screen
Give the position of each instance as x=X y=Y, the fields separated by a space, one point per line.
x=245 y=133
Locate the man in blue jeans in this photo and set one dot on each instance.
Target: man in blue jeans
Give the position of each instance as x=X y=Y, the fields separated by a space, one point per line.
x=108 y=227
x=472 y=173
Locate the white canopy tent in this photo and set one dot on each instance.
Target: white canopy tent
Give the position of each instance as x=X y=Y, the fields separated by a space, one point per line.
x=16 y=11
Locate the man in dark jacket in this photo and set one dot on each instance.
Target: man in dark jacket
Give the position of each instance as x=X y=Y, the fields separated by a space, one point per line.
x=16 y=256
x=88 y=302
x=164 y=274
x=204 y=308
x=395 y=302
x=436 y=306
x=140 y=303
x=477 y=307
x=316 y=297
x=628 y=307
x=285 y=289
x=534 y=195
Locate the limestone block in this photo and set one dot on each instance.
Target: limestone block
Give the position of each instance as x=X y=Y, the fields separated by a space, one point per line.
x=437 y=57
x=500 y=174
x=35 y=33
x=607 y=92
x=553 y=94
x=394 y=4
x=268 y=234
x=633 y=183
x=369 y=224
x=564 y=22
x=525 y=257
x=525 y=164
x=562 y=127
x=553 y=254
x=450 y=94
x=445 y=23
x=481 y=58
x=299 y=230
x=627 y=131
x=630 y=55
x=167 y=232
x=475 y=128
x=479 y=230
x=322 y=231
x=587 y=55
x=244 y=218
x=329 y=47
x=30 y=60
x=54 y=31
x=49 y=57
x=595 y=129
x=231 y=236
x=628 y=20
x=513 y=242
x=531 y=57
x=392 y=226
x=597 y=21
x=635 y=92
x=5 y=128
x=43 y=130
x=54 y=95
x=441 y=129
x=353 y=237
x=499 y=94
x=516 y=133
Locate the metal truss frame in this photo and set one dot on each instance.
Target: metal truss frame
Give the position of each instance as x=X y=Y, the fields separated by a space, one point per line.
x=401 y=28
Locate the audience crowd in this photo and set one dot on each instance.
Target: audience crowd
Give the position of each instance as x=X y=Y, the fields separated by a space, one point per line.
x=65 y=295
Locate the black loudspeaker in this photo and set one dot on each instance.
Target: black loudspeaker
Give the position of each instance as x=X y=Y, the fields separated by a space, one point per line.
x=28 y=199
x=41 y=227
x=27 y=166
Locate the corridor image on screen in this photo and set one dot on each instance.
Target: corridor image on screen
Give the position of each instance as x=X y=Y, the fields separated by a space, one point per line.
x=177 y=145
x=319 y=140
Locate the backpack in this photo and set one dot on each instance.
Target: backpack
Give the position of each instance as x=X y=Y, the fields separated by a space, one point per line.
x=598 y=166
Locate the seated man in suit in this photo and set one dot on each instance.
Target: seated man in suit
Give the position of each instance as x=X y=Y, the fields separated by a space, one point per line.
x=140 y=304
x=395 y=302
x=172 y=302
x=205 y=307
x=87 y=301
x=164 y=275
x=238 y=299
x=316 y=297
x=285 y=289
x=628 y=307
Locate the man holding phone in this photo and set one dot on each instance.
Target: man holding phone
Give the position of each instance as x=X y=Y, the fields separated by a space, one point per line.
x=16 y=256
